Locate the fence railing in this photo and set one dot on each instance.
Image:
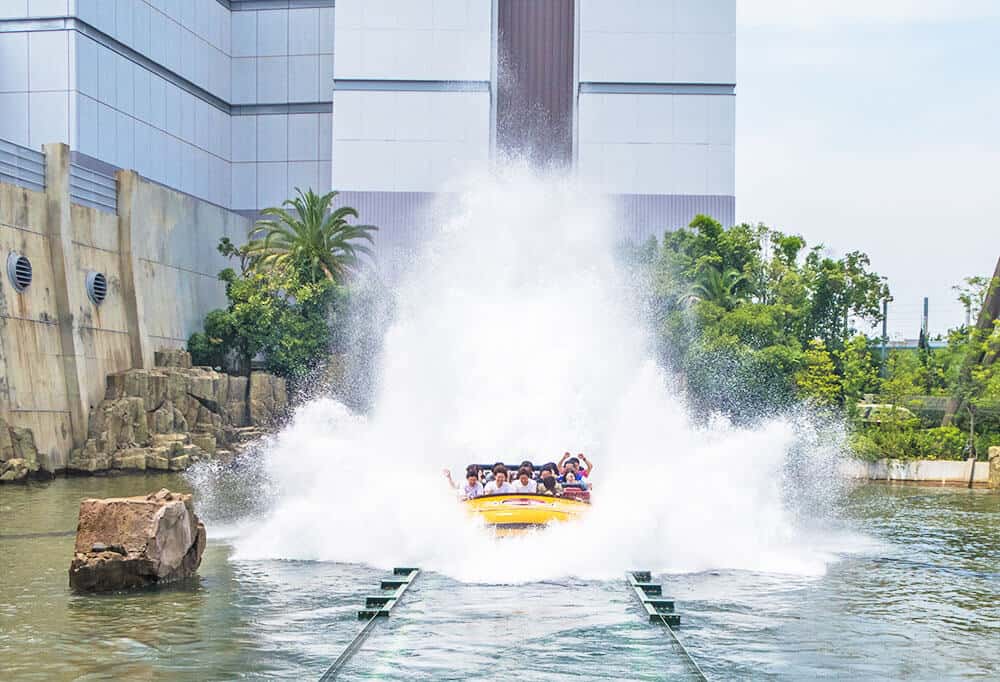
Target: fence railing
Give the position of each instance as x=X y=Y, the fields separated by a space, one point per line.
x=22 y=166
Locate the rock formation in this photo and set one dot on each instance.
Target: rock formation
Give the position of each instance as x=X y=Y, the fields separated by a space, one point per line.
x=171 y=416
x=128 y=542
x=994 y=454
x=18 y=454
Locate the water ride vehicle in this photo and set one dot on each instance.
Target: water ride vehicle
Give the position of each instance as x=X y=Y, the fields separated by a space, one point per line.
x=512 y=513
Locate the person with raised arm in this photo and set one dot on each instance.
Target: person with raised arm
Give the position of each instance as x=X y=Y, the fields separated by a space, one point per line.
x=472 y=488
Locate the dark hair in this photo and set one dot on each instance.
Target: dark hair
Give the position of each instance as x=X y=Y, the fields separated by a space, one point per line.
x=573 y=460
x=499 y=467
x=549 y=483
x=527 y=463
x=524 y=470
x=551 y=466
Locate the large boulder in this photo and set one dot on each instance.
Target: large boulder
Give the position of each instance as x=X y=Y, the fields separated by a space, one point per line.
x=128 y=542
x=994 y=480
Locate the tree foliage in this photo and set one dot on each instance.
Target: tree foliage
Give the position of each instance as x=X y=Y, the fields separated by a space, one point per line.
x=288 y=302
x=764 y=309
x=304 y=234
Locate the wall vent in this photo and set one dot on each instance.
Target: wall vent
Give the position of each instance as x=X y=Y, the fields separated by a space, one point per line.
x=19 y=271
x=97 y=287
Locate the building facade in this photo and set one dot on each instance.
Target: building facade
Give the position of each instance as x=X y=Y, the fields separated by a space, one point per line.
x=238 y=101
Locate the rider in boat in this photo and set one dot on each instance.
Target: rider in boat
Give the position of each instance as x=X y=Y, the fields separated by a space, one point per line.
x=499 y=484
x=524 y=483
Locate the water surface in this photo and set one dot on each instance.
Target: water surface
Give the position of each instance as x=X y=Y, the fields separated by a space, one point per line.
x=922 y=602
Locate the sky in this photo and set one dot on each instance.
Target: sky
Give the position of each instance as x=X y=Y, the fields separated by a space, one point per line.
x=875 y=126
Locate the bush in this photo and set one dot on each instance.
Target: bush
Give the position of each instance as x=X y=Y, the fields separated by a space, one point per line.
x=942 y=442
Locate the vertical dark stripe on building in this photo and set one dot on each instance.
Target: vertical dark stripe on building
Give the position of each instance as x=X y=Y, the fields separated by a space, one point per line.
x=535 y=93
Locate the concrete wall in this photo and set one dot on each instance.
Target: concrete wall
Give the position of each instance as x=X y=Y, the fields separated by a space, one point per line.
x=56 y=345
x=920 y=470
x=33 y=387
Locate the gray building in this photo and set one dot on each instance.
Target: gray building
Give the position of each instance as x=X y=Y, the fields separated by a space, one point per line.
x=238 y=101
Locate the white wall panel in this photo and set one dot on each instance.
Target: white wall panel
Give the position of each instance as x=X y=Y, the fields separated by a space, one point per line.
x=244 y=138
x=14 y=122
x=658 y=41
x=49 y=118
x=445 y=133
x=272 y=138
x=303 y=137
x=272 y=33
x=272 y=79
x=244 y=185
x=400 y=39
x=51 y=71
x=13 y=62
x=657 y=144
x=303 y=78
x=303 y=31
x=304 y=175
x=272 y=183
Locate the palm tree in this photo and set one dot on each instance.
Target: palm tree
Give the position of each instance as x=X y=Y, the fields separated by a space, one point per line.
x=306 y=235
x=717 y=287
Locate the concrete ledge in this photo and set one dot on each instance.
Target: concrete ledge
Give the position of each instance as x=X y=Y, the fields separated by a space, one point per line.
x=958 y=472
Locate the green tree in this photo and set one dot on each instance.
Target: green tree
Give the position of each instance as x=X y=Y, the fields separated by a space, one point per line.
x=859 y=372
x=719 y=288
x=307 y=236
x=272 y=313
x=817 y=380
x=842 y=290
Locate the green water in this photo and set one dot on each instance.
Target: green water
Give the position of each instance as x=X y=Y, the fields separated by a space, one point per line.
x=922 y=602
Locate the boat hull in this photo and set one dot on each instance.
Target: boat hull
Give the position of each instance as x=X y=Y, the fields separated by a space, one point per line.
x=518 y=512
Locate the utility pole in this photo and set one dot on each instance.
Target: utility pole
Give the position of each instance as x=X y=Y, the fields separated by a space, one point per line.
x=885 y=334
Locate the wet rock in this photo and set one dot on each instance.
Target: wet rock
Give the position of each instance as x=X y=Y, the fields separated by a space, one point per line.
x=205 y=441
x=994 y=481
x=268 y=399
x=23 y=446
x=172 y=357
x=129 y=542
x=6 y=444
x=14 y=470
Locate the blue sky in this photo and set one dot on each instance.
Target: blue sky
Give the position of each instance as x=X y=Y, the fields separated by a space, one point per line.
x=876 y=126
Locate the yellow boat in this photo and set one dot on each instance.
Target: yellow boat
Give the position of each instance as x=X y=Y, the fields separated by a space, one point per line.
x=516 y=512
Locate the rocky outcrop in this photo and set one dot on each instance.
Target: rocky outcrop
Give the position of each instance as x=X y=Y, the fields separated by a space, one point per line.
x=128 y=542
x=268 y=399
x=169 y=417
x=18 y=454
x=994 y=468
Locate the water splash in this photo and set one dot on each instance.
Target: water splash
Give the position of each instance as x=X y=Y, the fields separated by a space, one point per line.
x=513 y=339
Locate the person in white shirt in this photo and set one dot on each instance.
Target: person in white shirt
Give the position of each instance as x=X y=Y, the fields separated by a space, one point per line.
x=499 y=484
x=524 y=483
x=472 y=488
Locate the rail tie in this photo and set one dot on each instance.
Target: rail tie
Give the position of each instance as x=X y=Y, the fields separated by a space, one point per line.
x=376 y=607
x=660 y=610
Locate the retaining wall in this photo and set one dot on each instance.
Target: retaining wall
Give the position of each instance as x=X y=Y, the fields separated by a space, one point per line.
x=158 y=254
x=920 y=470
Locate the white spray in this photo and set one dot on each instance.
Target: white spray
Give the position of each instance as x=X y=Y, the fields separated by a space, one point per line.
x=514 y=340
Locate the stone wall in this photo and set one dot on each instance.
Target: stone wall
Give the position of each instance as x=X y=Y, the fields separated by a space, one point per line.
x=159 y=256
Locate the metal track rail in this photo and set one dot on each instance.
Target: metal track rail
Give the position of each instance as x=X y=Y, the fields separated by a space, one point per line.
x=376 y=607
x=660 y=610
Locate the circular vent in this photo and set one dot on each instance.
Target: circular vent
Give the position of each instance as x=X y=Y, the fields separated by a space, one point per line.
x=97 y=287
x=19 y=271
